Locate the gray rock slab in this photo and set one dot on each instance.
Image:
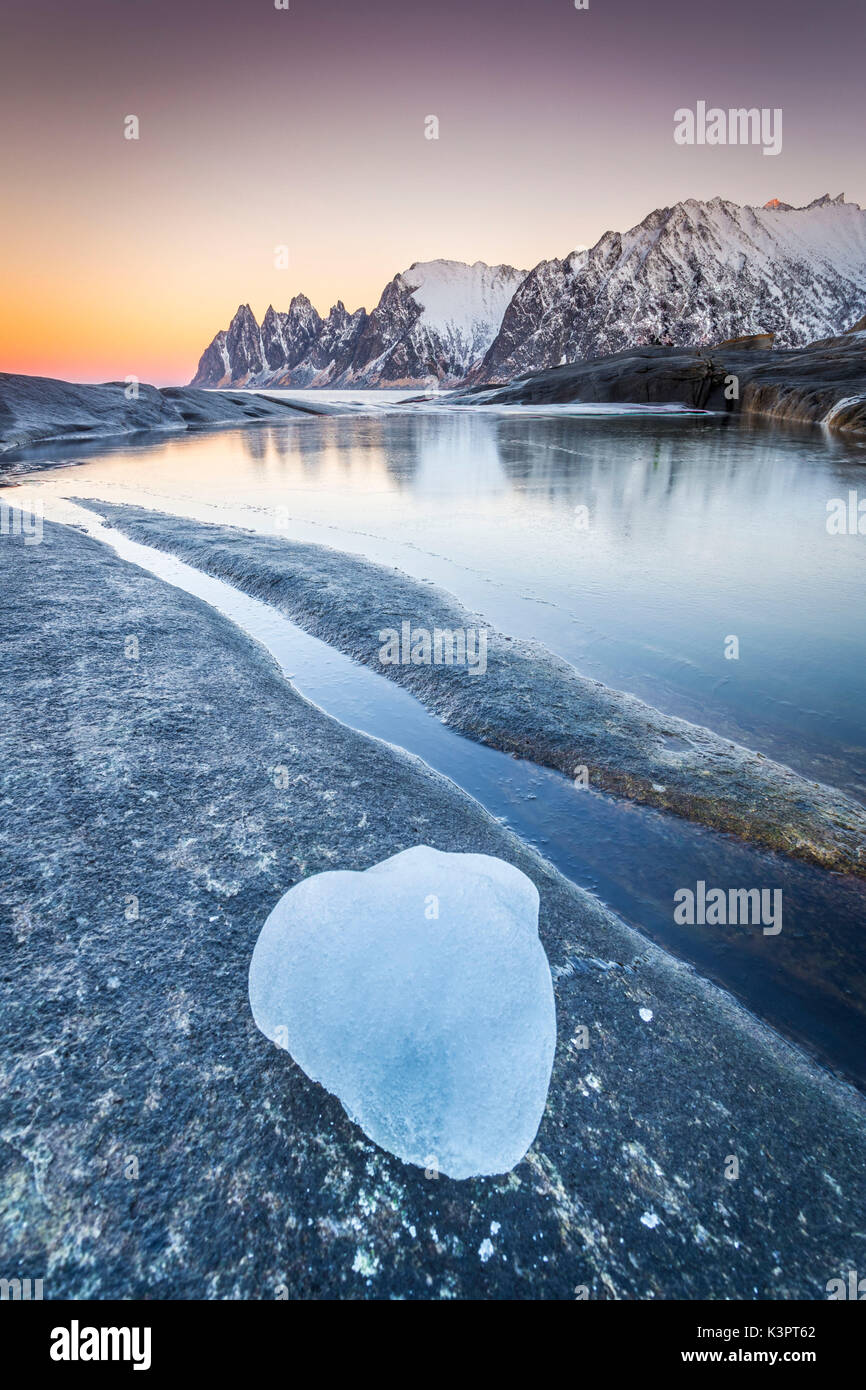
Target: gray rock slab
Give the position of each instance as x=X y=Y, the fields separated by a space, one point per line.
x=154 y=1144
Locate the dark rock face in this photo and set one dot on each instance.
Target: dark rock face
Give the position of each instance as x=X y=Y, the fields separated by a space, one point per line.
x=214 y=368
x=288 y=338
x=300 y=346
x=386 y=330
x=337 y=343
x=155 y=1145
x=636 y=376
x=244 y=345
x=823 y=383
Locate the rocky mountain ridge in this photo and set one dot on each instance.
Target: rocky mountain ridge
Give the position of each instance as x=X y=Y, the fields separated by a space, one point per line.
x=689 y=275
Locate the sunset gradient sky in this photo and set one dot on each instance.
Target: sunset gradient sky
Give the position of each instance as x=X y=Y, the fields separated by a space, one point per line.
x=306 y=127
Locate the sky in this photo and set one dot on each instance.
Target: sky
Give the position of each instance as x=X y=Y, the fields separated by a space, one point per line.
x=305 y=128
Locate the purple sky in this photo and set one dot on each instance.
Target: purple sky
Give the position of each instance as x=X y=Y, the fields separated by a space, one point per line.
x=305 y=127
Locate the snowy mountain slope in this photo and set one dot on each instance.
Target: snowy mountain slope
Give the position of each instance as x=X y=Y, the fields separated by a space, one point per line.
x=694 y=273
x=462 y=305
x=689 y=274
x=434 y=323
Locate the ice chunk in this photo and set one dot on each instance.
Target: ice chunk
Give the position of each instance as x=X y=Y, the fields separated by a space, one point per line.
x=418 y=992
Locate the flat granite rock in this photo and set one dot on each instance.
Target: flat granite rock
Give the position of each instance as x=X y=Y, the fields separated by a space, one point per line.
x=153 y=1144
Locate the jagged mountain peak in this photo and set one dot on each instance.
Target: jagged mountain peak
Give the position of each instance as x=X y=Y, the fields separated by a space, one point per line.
x=433 y=322
x=697 y=272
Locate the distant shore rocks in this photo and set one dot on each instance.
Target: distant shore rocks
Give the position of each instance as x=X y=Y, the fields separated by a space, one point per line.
x=822 y=384
x=39 y=409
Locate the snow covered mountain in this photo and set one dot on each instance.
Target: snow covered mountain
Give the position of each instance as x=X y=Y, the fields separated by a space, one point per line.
x=433 y=323
x=694 y=273
x=689 y=274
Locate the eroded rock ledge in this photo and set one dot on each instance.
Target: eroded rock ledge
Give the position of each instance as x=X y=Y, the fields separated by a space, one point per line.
x=823 y=384
x=529 y=702
x=35 y=409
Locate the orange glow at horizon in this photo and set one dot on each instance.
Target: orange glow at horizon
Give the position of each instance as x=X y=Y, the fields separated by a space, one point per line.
x=305 y=128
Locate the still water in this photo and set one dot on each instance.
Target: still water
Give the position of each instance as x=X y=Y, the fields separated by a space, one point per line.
x=634 y=547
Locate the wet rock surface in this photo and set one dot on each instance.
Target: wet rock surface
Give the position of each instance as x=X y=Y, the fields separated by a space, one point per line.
x=37 y=409
x=824 y=383
x=154 y=1144
x=528 y=701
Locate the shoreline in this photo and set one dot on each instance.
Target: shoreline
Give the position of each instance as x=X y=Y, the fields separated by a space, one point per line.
x=821 y=385
x=38 y=411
